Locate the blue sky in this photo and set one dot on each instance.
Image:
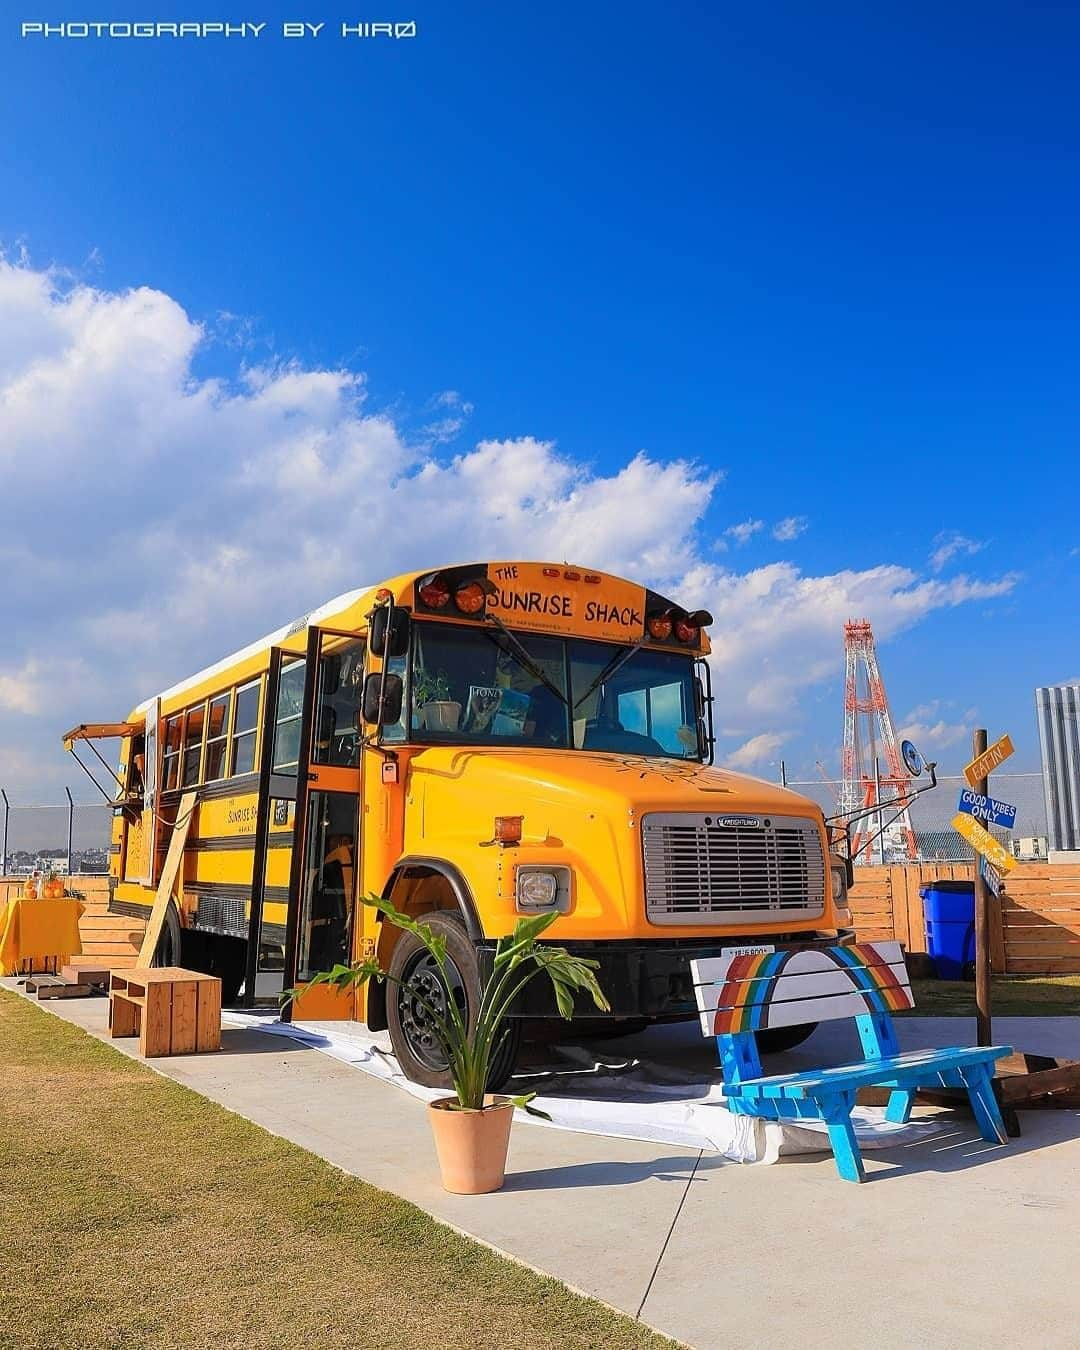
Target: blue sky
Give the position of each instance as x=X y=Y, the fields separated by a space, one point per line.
x=827 y=255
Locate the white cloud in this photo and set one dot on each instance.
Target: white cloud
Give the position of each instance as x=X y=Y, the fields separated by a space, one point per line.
x=171 y=518
x=948 y=544
x=455 y=410
x=931 y=731
x=778 y=632
x=757 y=752
x=744 y=531
x=20 y=690
x=789 y=528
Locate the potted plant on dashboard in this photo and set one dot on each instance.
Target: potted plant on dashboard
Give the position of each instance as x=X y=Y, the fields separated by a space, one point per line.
x=472 y=1128
x=431 y=698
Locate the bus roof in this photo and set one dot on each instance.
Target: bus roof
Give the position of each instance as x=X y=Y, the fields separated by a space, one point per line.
x=608 y=608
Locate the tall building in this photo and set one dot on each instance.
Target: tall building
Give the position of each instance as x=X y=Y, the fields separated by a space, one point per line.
x=1058 y=710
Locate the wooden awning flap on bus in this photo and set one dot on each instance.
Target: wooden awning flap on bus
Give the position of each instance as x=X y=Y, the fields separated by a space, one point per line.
x=99 y=731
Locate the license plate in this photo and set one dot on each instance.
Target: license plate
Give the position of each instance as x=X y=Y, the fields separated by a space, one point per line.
x=758 y=949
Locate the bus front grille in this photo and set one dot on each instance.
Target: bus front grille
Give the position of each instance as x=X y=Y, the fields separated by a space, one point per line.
x=731 y=869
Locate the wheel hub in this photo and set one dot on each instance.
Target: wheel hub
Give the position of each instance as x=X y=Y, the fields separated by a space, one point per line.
x=422 y=988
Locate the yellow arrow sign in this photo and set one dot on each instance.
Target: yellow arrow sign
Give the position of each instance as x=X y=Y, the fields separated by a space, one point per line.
x=988 y=761
x=982 y=841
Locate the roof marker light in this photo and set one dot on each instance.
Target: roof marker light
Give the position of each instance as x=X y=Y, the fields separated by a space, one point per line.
x=434 y=592
x=469 y=597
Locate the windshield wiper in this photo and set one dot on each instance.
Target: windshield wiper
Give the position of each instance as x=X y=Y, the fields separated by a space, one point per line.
x=613 y=666
x=525 y=659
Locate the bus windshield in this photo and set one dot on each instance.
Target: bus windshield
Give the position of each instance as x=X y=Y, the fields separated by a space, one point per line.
x=480 y=686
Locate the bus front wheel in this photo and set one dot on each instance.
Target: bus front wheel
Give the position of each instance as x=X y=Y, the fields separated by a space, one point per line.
x=415 y=987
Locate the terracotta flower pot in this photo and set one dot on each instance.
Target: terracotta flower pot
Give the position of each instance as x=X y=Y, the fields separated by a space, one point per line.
x=471 y=1145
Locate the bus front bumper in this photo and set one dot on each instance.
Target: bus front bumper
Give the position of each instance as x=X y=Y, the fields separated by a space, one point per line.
x=650 y=979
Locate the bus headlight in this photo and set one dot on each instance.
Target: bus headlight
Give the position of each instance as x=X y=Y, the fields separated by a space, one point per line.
x=540 y=888
x=839 y=886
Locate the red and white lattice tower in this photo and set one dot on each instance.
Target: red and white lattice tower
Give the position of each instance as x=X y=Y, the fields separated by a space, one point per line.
x=871 y=760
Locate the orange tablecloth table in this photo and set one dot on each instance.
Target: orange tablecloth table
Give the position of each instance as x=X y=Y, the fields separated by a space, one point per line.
x=38 y=932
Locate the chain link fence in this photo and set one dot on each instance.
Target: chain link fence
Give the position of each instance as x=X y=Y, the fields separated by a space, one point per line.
x=65 y=837
x=932 y=814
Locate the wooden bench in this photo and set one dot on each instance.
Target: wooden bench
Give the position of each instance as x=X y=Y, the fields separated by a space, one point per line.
x=739 y=995
x=172 y=1011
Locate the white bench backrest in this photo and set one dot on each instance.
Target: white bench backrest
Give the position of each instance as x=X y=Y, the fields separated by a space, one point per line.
x=788 y=988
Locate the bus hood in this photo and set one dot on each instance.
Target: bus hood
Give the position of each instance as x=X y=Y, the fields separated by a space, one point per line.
x=538 y=784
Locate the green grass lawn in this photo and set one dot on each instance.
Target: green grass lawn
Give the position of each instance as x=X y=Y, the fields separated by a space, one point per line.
x=1010 y=995
x=137 y=1213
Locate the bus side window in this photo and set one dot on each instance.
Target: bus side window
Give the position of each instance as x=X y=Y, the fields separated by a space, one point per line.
x=245 y=727
x=217 y=736
x=338 y=726
x=170 y=773
x=193 y=740
x=290 y=709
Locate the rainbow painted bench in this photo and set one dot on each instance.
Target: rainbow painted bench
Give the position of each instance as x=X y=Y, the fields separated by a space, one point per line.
x=739 y=995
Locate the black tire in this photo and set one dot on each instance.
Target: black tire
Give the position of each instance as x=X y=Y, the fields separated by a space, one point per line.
x=228 y=961
x=167 y=951
x=214 y=954
x=414 y=1045
x=775 y=1039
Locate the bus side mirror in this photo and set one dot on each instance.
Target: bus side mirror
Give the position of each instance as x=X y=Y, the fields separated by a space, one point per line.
x=392 y=691
x=398 y=632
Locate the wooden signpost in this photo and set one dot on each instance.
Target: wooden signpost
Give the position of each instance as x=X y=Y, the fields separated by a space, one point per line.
x=1023 y=1079
x=976 y=775
x=986 y=760
x=982 y=841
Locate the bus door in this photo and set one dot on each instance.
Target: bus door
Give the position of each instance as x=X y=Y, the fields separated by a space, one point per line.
x=325 y=863
x=277 y=735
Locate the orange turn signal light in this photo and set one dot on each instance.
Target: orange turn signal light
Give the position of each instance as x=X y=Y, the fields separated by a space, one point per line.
x=508 y=829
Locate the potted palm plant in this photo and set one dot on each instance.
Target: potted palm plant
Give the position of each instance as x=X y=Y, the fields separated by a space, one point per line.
x=431 y=694
x=472 y=1128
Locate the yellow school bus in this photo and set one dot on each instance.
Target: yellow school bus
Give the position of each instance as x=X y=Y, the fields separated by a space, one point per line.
x=474 y=742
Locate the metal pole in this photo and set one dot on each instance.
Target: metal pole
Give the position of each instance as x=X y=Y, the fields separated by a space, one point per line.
x=877 y=803
x=71 y=821
x=982 y=921
x=3 y=856
x=783 y=774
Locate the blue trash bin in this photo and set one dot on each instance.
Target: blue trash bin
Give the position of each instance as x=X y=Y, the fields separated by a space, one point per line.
x=949 y=915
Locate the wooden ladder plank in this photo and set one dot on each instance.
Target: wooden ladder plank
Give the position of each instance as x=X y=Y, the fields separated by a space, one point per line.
x=169 y=872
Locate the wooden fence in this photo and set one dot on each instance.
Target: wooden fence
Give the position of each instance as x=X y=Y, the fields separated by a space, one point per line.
x=1035 y=930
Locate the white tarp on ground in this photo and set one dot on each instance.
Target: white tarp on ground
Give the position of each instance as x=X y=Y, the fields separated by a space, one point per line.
x=596 y=1091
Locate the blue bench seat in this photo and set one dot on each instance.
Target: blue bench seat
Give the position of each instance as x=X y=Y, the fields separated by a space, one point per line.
x=741 y=994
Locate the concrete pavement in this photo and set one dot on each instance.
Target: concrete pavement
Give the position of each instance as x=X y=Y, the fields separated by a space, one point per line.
x=953 y=1242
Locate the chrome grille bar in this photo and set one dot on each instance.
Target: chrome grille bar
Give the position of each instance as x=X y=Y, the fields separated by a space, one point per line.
x=731 y=869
